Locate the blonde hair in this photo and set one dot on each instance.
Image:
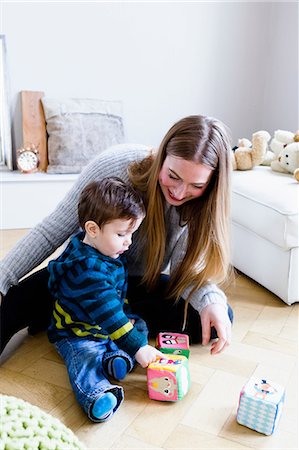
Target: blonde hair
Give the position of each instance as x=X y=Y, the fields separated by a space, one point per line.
x=203 y=140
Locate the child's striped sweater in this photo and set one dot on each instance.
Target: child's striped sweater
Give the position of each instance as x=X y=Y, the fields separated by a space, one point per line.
x=89 y=290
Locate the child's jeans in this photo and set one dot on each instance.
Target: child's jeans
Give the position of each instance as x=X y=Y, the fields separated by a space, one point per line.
x=86 y=360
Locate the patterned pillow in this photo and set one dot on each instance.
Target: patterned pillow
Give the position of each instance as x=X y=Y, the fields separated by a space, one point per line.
x=79 y=129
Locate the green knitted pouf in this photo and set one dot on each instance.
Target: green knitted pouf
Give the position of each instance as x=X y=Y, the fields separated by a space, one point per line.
x=24 y=426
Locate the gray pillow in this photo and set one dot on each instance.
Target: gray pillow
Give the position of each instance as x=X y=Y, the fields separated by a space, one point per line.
x=78 y=129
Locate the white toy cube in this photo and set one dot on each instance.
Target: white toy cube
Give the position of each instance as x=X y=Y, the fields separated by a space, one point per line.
x=260 y=405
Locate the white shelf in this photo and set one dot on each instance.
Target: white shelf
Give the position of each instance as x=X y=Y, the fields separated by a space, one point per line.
x=14 y=176
x=27 y=198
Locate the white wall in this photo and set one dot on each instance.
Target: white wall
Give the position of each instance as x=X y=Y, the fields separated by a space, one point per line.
x=237 y=61
x=279 y=108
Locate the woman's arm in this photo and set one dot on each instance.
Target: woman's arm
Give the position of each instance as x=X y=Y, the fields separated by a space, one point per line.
x=55 y=229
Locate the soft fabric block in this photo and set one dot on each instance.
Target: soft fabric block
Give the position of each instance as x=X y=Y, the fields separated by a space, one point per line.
x=260 y=405
x=168 y=379
x=173 y=343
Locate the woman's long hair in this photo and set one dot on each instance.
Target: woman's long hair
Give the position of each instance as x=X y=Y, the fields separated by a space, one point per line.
x=203 y=140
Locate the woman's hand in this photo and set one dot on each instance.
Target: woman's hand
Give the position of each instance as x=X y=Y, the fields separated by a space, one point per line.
x=215 y=315
x=147 y=354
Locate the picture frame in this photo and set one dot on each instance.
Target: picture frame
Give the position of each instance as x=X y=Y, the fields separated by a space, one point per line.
x=6 y=159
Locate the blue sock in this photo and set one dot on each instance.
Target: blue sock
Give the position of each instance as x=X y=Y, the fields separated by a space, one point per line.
x=117 y=367
x=104 y=406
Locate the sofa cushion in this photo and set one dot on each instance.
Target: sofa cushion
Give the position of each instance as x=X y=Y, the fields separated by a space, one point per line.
x=266 y=202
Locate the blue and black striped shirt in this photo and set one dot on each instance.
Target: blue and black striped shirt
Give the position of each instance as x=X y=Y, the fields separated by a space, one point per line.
x=89 y=290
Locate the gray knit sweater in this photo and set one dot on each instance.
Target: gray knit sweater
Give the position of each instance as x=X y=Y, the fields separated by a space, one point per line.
x=56 y=228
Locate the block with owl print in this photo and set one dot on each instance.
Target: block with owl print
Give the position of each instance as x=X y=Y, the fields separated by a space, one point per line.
x=168 y=378
x=260 y=405
x=175 y=343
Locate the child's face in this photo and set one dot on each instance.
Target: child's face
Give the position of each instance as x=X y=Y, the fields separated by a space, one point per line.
x=115 y=238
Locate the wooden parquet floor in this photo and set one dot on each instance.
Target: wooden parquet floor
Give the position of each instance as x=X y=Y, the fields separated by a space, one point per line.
x=265 y=344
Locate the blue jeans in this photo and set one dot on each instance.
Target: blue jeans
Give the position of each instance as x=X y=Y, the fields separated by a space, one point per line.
x=86 y=361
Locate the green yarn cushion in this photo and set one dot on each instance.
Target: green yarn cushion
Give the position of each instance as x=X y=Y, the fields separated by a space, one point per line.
x=24 y=426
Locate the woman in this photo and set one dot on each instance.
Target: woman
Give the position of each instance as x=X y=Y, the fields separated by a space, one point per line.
x=186 y=190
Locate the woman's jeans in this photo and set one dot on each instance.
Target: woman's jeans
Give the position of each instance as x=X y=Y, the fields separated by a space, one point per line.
x=86 y=361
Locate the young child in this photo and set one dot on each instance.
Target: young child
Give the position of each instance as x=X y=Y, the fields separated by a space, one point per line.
x=92 y=327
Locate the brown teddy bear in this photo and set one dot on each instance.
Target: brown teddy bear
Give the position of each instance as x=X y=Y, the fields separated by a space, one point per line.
x=250 y=154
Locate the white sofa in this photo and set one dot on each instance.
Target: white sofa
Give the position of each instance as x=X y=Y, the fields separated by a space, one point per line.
x=265 y=229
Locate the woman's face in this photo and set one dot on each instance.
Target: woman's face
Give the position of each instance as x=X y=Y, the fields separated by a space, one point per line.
x=182 y=180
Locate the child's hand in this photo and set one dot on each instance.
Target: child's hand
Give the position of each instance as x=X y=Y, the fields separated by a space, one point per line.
x=147 y=355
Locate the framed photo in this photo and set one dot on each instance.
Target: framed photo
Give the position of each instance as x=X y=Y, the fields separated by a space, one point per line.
x=6 y=161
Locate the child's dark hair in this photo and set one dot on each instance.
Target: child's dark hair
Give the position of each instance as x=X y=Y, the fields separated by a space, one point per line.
x=107 y=200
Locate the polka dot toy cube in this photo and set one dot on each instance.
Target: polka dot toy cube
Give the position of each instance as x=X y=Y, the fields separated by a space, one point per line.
x=168 y=379
x=260 y=405
x=175 y=343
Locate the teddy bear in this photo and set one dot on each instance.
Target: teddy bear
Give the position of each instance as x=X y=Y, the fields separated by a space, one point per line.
x=250 y=154
x=285 y=147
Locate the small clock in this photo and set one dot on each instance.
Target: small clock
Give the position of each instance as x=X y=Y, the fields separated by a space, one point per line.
x=28 y=159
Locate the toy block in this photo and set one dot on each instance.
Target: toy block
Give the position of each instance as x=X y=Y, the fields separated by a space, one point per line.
x=175 y=343
x=260 y=405
x=168 y=379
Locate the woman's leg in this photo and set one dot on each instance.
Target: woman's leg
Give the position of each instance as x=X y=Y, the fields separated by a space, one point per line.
x=163 y=314
x=29 y=304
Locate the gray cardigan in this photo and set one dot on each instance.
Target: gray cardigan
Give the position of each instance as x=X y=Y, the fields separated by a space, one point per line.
x=57 y=227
